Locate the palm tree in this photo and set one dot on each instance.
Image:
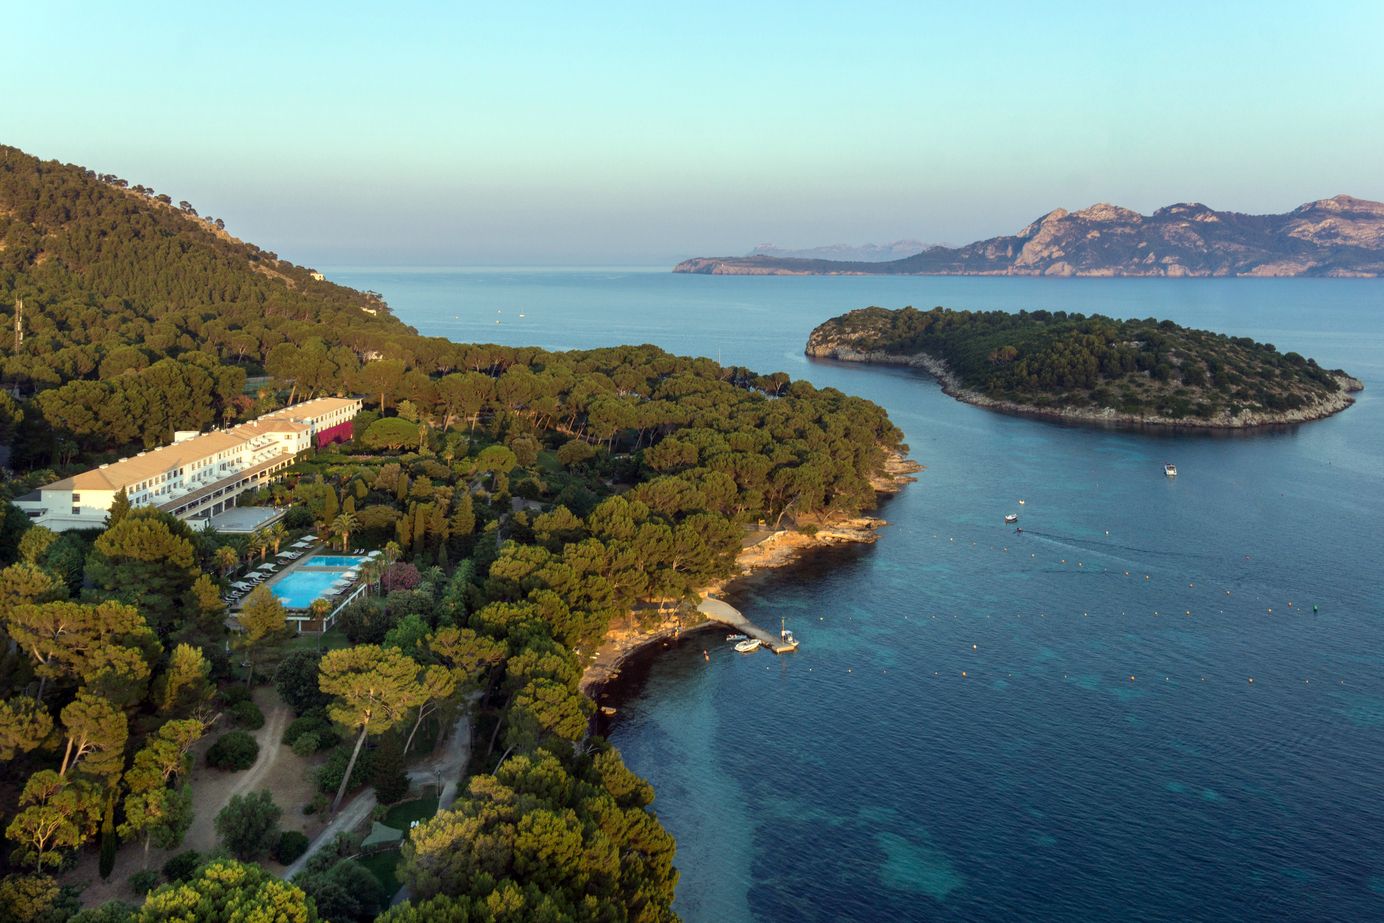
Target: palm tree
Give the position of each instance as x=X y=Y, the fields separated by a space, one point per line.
x=276 y=535
x=342 y=525
x=258 y=543
x=373 y=570
x=226 y=558
x=319 y=609
x=392 y=551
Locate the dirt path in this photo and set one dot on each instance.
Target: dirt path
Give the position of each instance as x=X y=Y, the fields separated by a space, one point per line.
x=277 y=768
x=212 y=788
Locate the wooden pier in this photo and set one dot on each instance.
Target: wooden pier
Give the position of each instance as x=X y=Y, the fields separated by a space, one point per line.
x=726 y=614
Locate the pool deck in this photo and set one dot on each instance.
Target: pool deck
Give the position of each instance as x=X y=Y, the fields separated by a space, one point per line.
x=302 y=564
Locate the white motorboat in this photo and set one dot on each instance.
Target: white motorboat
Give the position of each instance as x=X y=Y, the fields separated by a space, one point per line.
x=1170 y=470
x=736 y=637
x=1011 y=518
x=748 y=646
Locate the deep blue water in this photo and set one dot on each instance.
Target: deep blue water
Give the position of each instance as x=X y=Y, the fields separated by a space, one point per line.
x=1048 y=726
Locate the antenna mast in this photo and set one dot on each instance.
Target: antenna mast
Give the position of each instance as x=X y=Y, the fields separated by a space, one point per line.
x=18 y=324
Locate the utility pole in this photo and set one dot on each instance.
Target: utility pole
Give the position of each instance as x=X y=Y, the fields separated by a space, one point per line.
x=18 y=324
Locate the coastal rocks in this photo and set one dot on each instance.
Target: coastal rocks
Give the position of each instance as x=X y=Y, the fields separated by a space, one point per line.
x=777 y=549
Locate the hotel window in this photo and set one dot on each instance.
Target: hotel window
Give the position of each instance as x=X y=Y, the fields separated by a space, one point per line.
x=76 y=498
x=76 y=511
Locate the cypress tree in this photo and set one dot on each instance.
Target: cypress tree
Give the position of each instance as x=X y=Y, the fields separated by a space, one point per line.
x=464 y=516
x=387 y=773
x=119 y=507
x=108 y=844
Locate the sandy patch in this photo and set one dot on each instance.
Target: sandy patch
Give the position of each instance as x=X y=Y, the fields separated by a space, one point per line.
x=286 y=774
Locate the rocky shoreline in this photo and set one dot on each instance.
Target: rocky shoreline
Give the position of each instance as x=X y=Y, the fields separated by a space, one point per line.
x=775 y=549
x=1108 y=416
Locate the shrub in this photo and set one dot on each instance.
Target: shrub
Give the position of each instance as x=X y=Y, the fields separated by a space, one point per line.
x=249 y=824
x=109 y=912
x=308 y=724
x=296 y=680
x=306 y=744
x=365 y=622
x=298 y=517
x=402 y=576
x=290 y=845
x=329 y=773
x=143 y=882
x=182 y=866
x=234 y=751
x=234 y=695
x=247 y=715
x=346 y=891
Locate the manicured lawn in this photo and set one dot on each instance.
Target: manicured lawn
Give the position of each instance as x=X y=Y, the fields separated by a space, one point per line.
x=332 y=640
x=382 y=866
x=406 y=812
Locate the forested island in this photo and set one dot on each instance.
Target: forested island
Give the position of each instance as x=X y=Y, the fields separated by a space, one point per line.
x=519 y=500
x=1096 y=368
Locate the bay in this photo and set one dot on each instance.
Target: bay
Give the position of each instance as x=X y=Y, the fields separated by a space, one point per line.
x=1163 y=701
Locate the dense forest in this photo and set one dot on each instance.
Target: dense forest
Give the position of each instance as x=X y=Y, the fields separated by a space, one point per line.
x=1060 y=360
x=521 y=500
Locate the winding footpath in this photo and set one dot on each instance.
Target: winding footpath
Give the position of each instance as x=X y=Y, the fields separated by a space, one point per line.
x=447 y=764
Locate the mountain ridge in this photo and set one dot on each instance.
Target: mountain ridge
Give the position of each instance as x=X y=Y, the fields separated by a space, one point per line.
x=1339 y=237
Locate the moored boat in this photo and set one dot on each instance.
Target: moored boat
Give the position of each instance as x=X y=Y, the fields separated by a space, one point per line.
x=736 y=637
x=1011 y=518
x=1170 y=470
x=748 y=646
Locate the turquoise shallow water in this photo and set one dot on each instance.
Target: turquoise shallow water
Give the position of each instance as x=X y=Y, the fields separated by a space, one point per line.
x=1105 y=754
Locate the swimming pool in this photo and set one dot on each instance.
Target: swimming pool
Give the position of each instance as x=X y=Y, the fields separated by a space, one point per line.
x=298 y=589
x=337 y=560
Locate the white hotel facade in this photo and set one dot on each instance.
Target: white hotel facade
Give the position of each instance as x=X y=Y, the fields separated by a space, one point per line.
x=200 y=474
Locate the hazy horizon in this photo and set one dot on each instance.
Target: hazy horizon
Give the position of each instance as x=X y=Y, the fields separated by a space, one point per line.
x=629 y=136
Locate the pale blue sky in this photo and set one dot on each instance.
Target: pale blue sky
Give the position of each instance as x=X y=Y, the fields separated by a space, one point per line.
x=439 y=133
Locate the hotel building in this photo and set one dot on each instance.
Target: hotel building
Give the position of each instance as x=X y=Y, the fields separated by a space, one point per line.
x=200 y=474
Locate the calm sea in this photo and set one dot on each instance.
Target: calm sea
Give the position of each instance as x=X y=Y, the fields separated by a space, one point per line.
x=1163 y=701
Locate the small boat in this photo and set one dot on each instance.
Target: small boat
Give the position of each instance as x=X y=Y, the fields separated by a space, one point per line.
x=748 y=646
x=1011 y=518
x=736 y=637
x=608 y=710
x=1170 y=470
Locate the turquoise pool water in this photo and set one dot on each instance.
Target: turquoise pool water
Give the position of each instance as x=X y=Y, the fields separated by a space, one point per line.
x=340 y=560
x=298 y=589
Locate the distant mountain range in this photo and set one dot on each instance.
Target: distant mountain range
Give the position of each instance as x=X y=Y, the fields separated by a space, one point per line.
x=1339 y=237
x=865 y=253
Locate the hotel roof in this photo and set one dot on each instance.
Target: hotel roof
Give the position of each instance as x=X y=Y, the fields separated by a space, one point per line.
x=313 y=408
x=130 y=471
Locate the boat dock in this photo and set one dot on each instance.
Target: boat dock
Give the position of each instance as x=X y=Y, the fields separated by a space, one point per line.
x=726 y=614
